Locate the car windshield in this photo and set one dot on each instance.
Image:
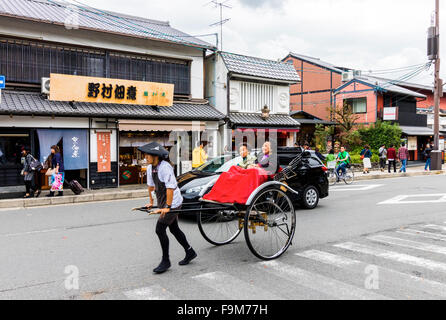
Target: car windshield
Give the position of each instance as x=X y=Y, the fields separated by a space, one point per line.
x=220 y=164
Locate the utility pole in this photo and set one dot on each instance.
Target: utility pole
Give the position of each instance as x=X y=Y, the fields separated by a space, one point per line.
x=436 y=155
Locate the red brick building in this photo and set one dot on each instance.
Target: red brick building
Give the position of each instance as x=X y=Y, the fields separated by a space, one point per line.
x=319 y=79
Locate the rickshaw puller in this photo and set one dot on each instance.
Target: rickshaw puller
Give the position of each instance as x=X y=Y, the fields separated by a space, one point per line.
x=161 y=179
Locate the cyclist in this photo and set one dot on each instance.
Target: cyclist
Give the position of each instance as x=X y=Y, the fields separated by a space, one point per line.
x=343 y=159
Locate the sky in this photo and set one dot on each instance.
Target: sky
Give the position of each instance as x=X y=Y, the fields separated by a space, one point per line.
x=361 y=34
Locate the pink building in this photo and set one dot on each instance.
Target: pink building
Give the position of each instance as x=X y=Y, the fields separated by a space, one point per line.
x=374 y=99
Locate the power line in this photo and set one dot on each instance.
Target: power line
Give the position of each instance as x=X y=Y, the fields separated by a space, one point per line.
x=124 y=24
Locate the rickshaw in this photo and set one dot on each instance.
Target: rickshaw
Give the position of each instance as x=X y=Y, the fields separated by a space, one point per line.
x=267 y=219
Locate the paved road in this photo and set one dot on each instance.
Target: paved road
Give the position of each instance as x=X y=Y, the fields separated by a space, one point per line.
x=382 y=239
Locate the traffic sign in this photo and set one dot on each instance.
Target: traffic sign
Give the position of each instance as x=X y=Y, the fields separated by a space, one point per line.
x=2 y=82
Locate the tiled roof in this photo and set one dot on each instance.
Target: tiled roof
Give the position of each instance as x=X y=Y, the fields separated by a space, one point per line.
x=257 y=67
x=316 y=61
x=50 y=11
x=381 y=85
x=254 y=119
x=24 y=103
x=388 y=85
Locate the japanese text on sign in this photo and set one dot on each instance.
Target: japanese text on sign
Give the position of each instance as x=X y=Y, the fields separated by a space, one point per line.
x=104 y=90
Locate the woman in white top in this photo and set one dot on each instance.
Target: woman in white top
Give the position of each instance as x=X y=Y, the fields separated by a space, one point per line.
x=161 y=179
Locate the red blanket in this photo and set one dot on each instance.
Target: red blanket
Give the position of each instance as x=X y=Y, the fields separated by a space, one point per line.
x=236 y=185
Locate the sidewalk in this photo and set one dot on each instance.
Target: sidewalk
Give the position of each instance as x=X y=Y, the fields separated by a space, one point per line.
x=140 y=191
x=122 y=193
x=412 y=171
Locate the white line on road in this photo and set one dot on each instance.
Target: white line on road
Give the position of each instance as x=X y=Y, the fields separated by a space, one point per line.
x=405 y=199
x=356 y=187
x=155 y=292
x=336 y=289
x=434 y=227
x=408 y=244
x=394 y=256
x=424 y=234
x=31 y=232
x=234 y=288
x=385 y=274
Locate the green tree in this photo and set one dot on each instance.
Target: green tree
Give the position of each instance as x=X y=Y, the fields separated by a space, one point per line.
x=346 y=121
x=321 y=135
x=381 y=133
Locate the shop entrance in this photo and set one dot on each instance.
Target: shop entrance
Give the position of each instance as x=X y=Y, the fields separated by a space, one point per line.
x=132 y=164
x=11 y=162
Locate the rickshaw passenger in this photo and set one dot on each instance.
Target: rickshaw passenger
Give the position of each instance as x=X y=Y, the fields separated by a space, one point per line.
x=247 y=159
x=236 y=185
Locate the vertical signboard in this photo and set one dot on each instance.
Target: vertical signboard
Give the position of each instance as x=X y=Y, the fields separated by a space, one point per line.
x=104 y=154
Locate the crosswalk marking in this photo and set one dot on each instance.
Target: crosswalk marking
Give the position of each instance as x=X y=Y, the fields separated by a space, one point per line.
x=385 y=274
x=234 y=288
x=332 y=287
x=424 y=234
x=423 y=198
x=409 y=244
x=434 y=227
x=356 y=187
x=395 y=256
x=155 y=292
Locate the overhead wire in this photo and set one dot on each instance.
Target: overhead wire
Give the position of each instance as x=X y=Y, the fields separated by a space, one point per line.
x=124 y=24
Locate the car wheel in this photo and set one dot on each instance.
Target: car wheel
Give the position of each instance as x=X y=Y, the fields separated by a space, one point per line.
x=310 y=197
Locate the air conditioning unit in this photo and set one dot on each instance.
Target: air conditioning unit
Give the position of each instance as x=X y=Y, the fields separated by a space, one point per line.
x=357 y=73
x=347 y=76
x=45 y=88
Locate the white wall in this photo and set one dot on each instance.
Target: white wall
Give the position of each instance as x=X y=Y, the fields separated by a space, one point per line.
x=216 y=83
x=277 y=97
x=43 y=122
x=55 y=33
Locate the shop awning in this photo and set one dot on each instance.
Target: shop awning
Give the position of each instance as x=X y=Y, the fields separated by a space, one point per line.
x=159 y=125
x=31 y=103
x=417 y=131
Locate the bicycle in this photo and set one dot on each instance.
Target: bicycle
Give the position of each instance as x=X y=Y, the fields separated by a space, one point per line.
x=333 y=177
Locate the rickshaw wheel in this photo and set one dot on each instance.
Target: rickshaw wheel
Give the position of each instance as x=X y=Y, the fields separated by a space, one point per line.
x=271 y=224
x=219 y=227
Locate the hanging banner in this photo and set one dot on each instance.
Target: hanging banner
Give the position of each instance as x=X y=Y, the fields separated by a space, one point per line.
x=75 y=149
x=104 y=90
x=412 y=143
x=104 y=154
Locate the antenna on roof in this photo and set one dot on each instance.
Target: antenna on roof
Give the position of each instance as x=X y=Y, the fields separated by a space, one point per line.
x=221 y=4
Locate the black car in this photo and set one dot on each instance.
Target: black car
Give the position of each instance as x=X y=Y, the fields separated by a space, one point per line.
x=310 y=181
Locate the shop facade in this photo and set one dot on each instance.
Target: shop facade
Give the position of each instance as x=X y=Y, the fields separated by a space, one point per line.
x=39 y=133
x=254 y=94
x=99 y=141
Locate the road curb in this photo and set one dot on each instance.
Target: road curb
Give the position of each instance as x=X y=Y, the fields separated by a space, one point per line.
x=84 y=198
x=397 y=175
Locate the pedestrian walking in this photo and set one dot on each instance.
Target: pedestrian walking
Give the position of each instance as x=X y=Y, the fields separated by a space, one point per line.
x=391 y=157
x=29 y=173
x=382 y=157
x=57 y=172
x=366 y=156
x=427 y=155
x=161 y=180
x=403 y=156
